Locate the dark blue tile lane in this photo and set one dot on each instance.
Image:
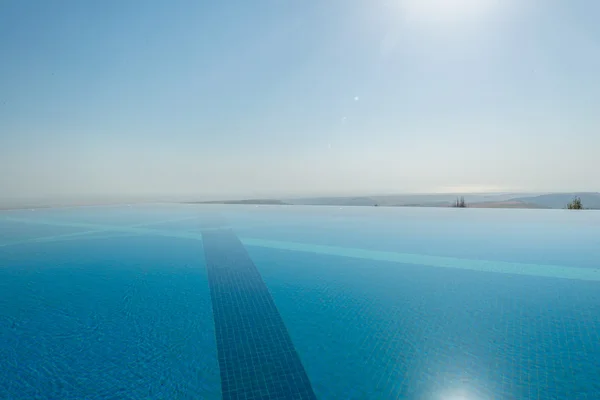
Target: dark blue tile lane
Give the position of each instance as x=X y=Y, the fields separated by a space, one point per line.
x=257 y=358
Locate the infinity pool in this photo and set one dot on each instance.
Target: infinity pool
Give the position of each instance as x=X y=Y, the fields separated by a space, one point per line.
x=277 y=302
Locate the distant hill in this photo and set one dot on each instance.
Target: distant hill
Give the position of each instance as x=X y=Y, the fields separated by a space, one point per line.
x=506 y=200
x=405 y=200
x=249 y=201
x=506 y=204
x=560 y=200
x=335 y=201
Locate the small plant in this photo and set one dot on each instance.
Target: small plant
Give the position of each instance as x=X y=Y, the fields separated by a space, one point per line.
x=460 y=203
x=575 y=204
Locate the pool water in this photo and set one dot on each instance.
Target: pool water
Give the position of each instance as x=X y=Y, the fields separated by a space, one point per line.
x=275 y=302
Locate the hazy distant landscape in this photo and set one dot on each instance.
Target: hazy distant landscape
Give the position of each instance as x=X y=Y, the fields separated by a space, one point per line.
x=590 y=200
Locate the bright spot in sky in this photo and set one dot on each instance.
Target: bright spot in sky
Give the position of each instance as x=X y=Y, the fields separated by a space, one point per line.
x=458 y=395
x=356 y=98
x=439 y=11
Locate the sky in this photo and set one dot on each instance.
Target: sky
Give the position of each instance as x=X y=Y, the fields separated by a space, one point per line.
x=291 y=98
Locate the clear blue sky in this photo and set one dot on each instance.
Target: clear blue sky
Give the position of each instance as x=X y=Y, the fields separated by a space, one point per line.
x=290 y=97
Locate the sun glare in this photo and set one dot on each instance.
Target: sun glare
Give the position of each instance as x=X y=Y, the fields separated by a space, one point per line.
x=459 y=395
x=438 y=11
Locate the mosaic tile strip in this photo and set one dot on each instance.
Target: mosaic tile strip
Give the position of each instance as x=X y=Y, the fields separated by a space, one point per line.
x=256 y=356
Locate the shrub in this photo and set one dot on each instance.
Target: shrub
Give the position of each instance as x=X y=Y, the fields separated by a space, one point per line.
x=575 y=204
x=460 y=203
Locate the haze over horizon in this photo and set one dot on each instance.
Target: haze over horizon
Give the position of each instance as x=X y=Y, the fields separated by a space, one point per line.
x=280 y=98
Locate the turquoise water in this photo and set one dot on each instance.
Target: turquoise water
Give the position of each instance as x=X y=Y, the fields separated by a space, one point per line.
x=369 y=303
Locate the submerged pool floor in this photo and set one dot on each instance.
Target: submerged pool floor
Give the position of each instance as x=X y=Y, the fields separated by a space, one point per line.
x=275 y=302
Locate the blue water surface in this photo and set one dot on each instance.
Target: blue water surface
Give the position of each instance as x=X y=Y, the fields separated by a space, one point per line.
x=114 y=302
